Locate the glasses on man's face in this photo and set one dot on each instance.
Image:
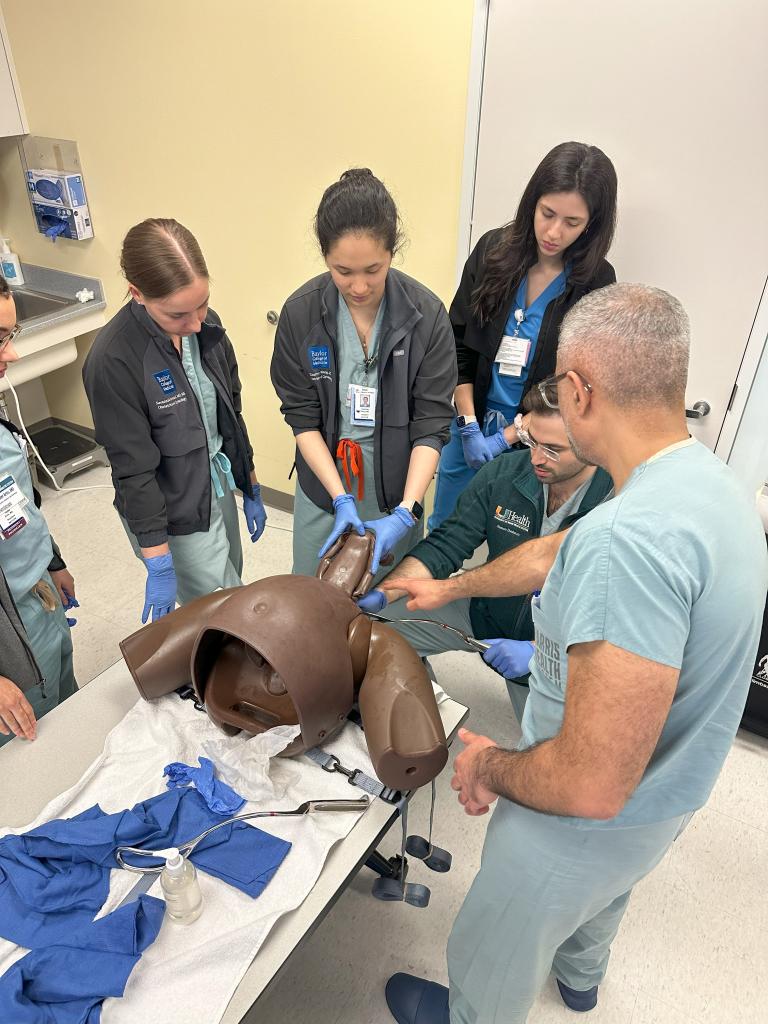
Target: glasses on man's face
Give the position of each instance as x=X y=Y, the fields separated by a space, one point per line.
x=529 y=442
x=13 y=333
x=548 y=388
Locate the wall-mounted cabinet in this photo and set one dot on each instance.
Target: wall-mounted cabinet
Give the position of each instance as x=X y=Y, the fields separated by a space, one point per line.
x=13 y=120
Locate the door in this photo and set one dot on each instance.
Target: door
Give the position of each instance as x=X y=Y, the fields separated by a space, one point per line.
x=677 y=96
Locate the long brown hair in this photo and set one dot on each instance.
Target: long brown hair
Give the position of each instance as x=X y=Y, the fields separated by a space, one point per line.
x=159 y=256
x=569 y=167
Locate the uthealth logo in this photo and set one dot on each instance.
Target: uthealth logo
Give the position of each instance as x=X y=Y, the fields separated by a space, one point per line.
x=506 y=515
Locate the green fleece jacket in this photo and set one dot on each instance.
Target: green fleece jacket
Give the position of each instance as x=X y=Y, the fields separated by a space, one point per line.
x=503 y=505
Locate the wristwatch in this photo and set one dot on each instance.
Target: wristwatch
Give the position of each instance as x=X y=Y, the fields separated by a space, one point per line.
x=416 y=510
x=462 y=421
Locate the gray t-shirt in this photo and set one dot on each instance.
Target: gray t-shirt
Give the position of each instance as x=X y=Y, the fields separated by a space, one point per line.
x=674 y=569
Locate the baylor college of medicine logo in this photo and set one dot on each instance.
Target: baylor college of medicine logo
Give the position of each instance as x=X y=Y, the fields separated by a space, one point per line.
x=761 y=676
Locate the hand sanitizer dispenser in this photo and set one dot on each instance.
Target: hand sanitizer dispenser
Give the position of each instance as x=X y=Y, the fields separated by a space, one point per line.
x=11 y=264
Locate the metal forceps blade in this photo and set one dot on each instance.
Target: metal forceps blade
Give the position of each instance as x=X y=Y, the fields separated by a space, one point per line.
x=471 y=641
x=185 y=849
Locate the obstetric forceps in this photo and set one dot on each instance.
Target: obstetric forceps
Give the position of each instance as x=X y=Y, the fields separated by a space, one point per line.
x=470 y=641
x=185 y=849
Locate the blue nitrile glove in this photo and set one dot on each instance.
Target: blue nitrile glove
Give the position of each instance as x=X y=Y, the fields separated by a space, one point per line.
x=219 y=797
x=509 y=657
x=347 y=518
x=389 y=531
x=160 y=592
x=255 y=513
x=373 y=601
x=497 y=443
x=72 y=602
x=476 y=450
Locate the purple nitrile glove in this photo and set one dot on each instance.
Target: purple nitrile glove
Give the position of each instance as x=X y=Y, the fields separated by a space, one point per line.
x=389 y=531
x=255 y=513
x=345 y=508
x=373 y=601
x=160 y=591
x=509 y=657
x=475 y=445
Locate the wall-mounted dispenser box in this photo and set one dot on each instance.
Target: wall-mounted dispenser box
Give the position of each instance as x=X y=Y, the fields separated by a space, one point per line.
x=63 y=221
x=56 y=188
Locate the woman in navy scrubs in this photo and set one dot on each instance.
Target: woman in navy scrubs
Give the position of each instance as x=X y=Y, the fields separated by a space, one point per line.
x=517 y=285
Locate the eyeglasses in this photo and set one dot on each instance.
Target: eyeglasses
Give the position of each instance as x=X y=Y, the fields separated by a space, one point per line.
x=548 y=388
x=13 y=333
x=525 y=438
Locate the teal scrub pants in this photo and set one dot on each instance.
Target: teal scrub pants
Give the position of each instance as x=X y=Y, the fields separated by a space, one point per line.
x=51 y=642
x=548 y=897
x=209 y=560
x=429 y=640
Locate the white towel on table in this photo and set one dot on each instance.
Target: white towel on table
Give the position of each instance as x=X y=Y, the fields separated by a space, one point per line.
x=191 y=971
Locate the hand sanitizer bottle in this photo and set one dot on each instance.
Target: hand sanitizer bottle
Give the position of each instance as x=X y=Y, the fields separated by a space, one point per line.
x=10 y=264
x=178 y=880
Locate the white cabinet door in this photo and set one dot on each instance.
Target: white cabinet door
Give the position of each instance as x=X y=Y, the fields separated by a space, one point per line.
x=12 y=118
x=677 y=95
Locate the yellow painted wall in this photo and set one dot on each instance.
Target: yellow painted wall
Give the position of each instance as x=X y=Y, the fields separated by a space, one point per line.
x=233 y=117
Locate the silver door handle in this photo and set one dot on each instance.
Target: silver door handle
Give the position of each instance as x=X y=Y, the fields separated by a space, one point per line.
x=699 y=410
x=272 y=317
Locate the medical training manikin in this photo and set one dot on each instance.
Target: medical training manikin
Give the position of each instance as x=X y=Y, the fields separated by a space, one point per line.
x=297 y=650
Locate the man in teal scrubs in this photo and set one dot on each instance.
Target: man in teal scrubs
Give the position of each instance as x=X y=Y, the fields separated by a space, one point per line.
x=646 y=631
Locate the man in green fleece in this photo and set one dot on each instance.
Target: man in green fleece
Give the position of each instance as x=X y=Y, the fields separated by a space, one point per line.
x=521 y=495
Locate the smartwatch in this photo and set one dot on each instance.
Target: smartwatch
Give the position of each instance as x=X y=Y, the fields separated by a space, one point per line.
x=462 y=421
x=416 y=510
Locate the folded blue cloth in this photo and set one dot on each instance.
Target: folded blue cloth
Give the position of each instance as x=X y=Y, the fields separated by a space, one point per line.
x=67 y=983
x=218 y=795
x=56 y=877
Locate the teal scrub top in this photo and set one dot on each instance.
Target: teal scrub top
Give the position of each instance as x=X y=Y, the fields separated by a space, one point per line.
x=26 y=555
x=205 y=393
x=352 y=368
x=674 y=569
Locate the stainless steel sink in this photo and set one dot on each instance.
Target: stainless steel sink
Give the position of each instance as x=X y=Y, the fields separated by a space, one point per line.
x=30 y=304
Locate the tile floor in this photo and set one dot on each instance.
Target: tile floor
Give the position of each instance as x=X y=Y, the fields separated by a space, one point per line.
x=693 y=948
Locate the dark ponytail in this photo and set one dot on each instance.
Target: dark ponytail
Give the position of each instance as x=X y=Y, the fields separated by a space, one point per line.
x=569 y=167
x=358 y=203
x=159 y=256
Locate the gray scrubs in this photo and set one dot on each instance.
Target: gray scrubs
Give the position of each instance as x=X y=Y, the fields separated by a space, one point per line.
x=212 y=559
x=312 y=525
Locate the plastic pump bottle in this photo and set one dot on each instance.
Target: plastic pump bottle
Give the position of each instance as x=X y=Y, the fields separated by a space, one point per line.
x=10 y=264
x=178 y=880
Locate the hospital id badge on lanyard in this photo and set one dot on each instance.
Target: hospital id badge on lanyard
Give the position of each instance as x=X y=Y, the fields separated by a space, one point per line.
x=363 y=404
x=12 y=504
x=513 y=352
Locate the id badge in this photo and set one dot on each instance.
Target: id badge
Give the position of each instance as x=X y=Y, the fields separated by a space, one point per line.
x=363 y=405
x=12 y=504
x=513 y=351
x=510 y=369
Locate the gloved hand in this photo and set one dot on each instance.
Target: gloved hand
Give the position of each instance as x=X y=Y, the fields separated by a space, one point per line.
x=255 y=513
x=389 y=531
x=72 y=602
x=373 y=601
x=497 y=443
x=509 y=657
x=160 y=592
x=476 y=450
x=347 y=518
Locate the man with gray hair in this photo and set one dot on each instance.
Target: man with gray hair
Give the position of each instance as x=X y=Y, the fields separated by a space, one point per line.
x=646 y=630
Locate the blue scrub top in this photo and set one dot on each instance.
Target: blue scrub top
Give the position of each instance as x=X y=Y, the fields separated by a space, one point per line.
x=505 y=393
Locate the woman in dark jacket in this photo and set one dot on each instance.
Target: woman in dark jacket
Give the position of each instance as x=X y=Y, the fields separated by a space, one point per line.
x=517 y=285
x=164 y=389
